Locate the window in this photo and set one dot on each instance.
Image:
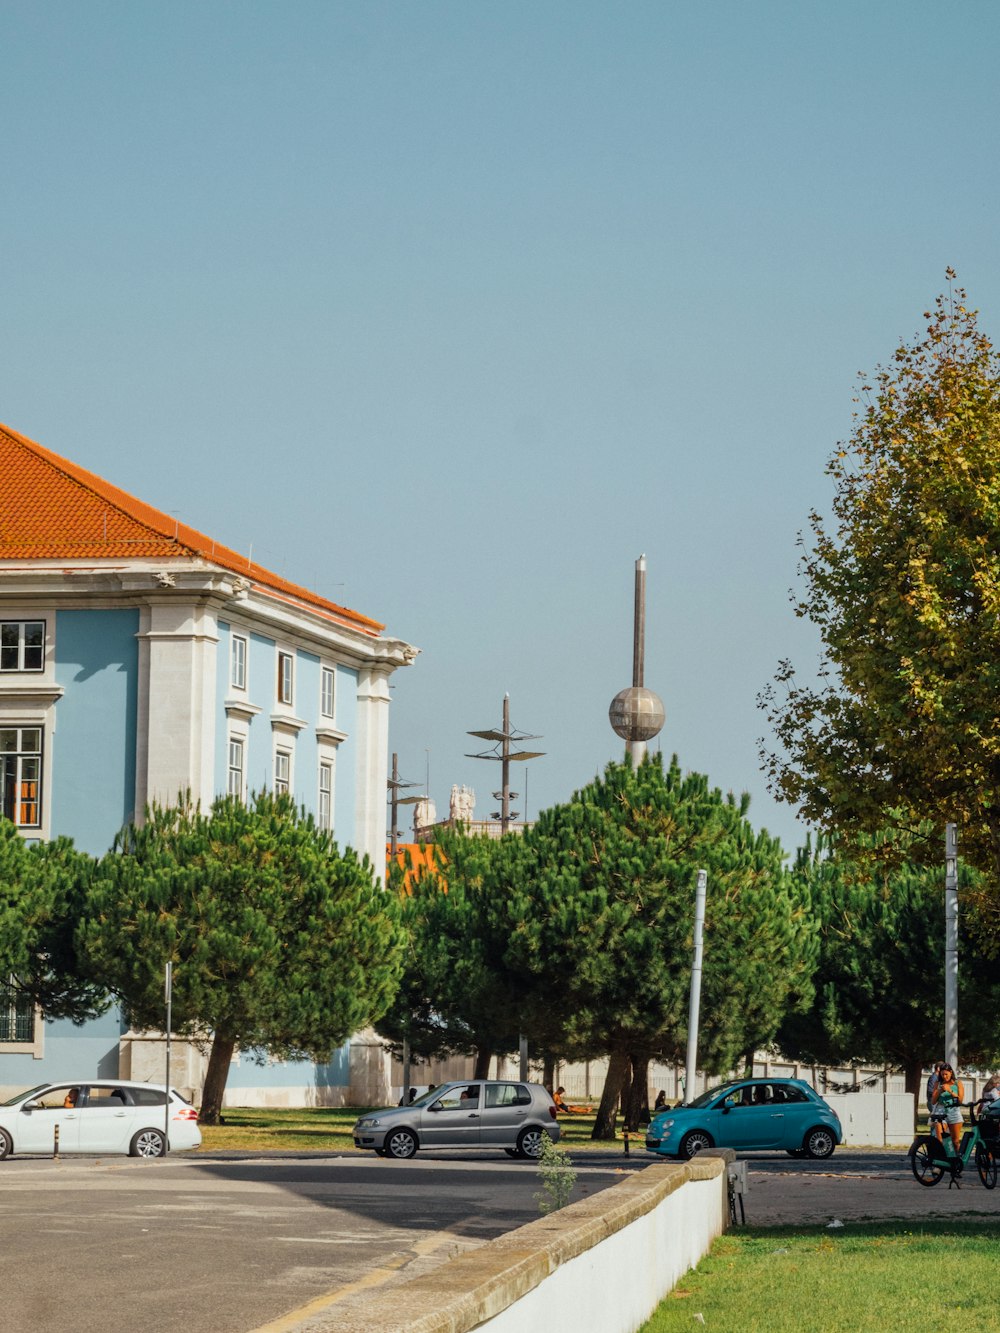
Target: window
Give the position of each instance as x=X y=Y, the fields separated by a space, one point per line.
x=282 y=770
x=22 y=645
x=235 y=787
x=21 y=775
x=326 y=685
x=325 y=810
x=507 y=1094
x=284 y=678
x=17 y=1015
x=238 y=663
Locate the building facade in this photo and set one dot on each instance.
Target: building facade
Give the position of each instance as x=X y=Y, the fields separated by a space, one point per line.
x=140 y=660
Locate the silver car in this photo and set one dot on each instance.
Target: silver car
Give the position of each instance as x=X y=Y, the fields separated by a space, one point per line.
x=478 y=1113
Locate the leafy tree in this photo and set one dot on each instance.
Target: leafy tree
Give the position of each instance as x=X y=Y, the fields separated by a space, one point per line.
x=280 y=942
x=41 y=894
x=880 y=975
x=904 y=588
x=597 y=904
x=454 y=995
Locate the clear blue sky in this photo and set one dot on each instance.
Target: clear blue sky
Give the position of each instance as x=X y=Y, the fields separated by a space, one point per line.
x=453 y=309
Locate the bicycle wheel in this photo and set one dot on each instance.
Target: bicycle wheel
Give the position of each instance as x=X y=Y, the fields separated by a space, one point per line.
x=926 y=1169
x=986 y=1165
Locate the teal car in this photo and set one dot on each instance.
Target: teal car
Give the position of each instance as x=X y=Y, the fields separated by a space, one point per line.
x=749 y=1114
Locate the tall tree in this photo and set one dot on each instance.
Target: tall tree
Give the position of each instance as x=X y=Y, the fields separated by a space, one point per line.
x=904 y=588
x=455 y=995
x=880 y=975
x=280 y=943
x=598 y=904
x=42 y=890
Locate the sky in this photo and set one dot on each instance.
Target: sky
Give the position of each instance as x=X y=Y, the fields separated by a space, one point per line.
x=452 y=310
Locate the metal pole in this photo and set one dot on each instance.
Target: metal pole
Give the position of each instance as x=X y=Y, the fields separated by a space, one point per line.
x=523 y=1045
x=406 y=1071
x=637 y=749
x=168 y=992
x=394 y=788
x=695 y=1001
x=505 y=767
x=951 y=945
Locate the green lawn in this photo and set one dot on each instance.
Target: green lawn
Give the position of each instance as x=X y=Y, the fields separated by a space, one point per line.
x=899 y=1275
x=329 y=1130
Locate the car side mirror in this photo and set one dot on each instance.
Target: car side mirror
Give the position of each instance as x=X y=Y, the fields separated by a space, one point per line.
x=435 y=1107
x=31 y=1106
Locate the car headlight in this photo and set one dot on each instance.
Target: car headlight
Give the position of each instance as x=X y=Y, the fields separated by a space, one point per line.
x=369 y=1122
x=665 y=1125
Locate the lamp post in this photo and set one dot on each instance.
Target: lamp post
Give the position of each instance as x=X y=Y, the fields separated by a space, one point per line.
x=637 y=714
x=505 y=756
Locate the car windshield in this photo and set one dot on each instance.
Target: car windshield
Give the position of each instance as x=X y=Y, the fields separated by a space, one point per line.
x=429 y=1096
x=712 y=1093
x=20 y=1097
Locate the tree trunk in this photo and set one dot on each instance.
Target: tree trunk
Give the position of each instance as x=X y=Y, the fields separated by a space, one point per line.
x=549 y=1070
x=914 y=1071
x=637 y=1104
x=484 y=1054
x=215 y=1079
x=607 y=1113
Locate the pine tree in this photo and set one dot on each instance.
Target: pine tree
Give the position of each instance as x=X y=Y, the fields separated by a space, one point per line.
x=281 y=943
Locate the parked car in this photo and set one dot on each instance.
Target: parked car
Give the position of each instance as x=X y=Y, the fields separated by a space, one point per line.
x=749 y=1114
x=103 y=1116
x=478 y=1113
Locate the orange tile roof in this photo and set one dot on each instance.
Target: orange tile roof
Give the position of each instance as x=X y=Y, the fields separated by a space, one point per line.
x=416 y=859
x=50 y=509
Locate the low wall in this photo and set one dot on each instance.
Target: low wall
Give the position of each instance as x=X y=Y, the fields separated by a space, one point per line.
x=602 y=1263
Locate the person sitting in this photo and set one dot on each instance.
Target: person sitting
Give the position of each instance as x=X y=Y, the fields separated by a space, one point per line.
x=71 y=1098
x=559 y=1097
x=661 y=1102
x=989 y=1098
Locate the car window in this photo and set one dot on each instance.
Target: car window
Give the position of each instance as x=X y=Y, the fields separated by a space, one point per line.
x=788 y=1093
x=738 y=1098
x=148 y=1097
x=98 y=1098
x=30 y=1095
x=57 y=1098
x=465 y=1097
x=507 y=1094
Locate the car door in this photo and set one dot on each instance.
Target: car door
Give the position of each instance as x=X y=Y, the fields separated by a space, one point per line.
x=750 y=1119
x=35 y=1127
x=105 y=1120
x=453 y=1119
x=506 y=1107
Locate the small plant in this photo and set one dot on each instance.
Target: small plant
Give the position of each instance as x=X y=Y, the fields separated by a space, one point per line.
x=558 y=1177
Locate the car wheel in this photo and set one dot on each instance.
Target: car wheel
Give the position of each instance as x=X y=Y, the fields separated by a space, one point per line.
x=986 y=1165
x=695 y=1141
x=818 y=1142
x=401 y=1143
x=147 y=1143
x=6 y=1144
x=927 y=1170
x=529 y=1143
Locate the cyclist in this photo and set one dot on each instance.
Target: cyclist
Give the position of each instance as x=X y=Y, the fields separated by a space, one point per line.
x=949 y=1095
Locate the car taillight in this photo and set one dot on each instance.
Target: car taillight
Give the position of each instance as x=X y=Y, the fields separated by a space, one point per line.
x=188 y=1113
x=552 y=1112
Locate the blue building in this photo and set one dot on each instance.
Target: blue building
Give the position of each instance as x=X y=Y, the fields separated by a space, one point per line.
x=140 y=659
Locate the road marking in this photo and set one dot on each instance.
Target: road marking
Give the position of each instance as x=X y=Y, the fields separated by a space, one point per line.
x=376 y=1278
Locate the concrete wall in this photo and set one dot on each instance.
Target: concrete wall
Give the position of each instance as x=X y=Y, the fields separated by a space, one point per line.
x=603 y=1263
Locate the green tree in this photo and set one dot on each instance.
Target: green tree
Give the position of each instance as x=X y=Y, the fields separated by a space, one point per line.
x=42 y=890
x=902 y=724
x=455 y=994
x=597 y=905
x=880 y=974
x=280 y=943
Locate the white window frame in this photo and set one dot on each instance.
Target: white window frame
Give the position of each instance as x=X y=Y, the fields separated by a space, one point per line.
x=285 y=684
x=236 y=773
x=327 y=692
x=35 y=1045
x=19 y=755
x=324 y=801
x=283 y=784
x=238 y=656
x=20 y=667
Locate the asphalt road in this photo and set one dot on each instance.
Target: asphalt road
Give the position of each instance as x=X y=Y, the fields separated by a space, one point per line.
x=228 y=1243
x=225 y=1245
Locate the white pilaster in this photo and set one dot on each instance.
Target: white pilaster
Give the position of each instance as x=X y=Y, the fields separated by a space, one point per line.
x=372 y=766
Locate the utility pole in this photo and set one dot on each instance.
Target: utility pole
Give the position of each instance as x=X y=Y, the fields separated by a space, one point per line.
x=694 y=1003
x=503 y=754
x=395 y=786
x=951 y=945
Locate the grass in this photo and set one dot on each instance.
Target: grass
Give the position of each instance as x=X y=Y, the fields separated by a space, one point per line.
x=328 y=1129
x=903 y=1275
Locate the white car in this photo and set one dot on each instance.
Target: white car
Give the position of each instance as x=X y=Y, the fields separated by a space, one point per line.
x=102 y=1116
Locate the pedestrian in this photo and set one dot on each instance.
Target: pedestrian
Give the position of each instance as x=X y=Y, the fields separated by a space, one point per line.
x=932 y=1082
x=950 y=1094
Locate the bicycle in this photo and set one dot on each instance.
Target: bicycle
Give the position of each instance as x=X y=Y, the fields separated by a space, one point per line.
x=930 y=1157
